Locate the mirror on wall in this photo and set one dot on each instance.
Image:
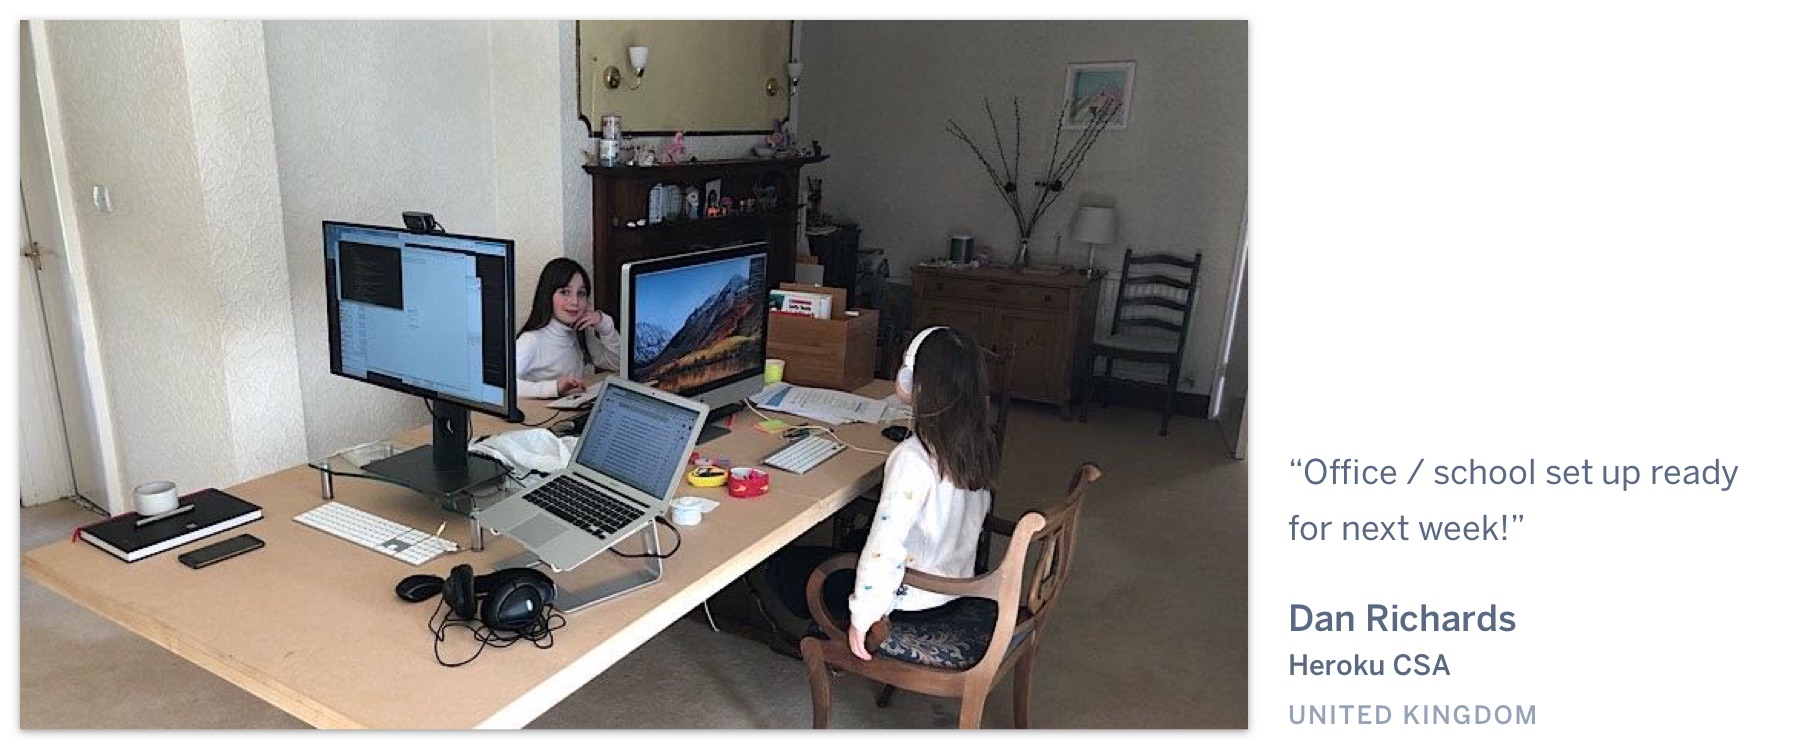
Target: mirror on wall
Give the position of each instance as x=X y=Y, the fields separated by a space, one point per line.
x=702 y=77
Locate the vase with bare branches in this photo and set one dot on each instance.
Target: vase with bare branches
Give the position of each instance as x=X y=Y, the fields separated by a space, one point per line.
x=1059 y=169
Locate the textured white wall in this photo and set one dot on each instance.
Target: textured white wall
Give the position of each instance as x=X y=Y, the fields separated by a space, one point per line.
x=578 y=187
x=235 y=145
x=1178 y=174
x=226 y=143
x=372 y=119
x=172 y=269
x=530 y=162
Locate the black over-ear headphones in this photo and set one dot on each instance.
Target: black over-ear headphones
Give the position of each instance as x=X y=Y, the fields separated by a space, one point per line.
x=509 y=599
x=515 y=599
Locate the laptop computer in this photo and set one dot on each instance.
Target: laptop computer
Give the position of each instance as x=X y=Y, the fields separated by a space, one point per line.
x=634 y=449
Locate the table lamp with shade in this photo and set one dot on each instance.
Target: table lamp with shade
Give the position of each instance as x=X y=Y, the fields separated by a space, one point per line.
x=1093 y=225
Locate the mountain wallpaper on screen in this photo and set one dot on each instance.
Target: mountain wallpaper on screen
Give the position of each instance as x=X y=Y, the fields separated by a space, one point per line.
x=720 y=337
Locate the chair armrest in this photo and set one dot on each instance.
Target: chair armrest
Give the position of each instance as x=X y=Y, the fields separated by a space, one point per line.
x=815 y=598
x=815 y=603
x=997 y=525
x=977 y=586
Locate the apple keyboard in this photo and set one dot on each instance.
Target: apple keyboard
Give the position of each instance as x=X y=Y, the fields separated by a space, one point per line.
x=577 y=400
x=372 y=532
x=802 y=455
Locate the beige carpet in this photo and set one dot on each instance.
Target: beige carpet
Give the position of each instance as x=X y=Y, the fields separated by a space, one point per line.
x=1151 y=632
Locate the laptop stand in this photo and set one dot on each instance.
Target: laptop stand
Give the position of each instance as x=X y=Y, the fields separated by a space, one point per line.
x=576 y=600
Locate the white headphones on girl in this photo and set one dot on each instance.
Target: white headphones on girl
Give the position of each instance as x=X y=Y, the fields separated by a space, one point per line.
x=903 y=382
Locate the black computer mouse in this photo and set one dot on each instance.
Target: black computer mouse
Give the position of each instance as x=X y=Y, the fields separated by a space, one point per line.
x=896 y=432
x=418 y=588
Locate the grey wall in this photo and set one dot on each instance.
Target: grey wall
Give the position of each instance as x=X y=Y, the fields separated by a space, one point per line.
x=878 y=93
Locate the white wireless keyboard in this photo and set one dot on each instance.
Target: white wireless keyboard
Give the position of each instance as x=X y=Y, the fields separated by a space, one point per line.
x=802 y=455
x=373 y=532
x=577 y=400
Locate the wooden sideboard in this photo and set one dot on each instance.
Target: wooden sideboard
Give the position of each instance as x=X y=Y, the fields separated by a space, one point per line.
x=622 y=196
x=1048 y=321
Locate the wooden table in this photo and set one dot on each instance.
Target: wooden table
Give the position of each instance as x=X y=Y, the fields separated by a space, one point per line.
x=311 y=624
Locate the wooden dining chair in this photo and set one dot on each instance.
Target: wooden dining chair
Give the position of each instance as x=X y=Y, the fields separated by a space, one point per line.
x=1150 y=321
x=951 y=654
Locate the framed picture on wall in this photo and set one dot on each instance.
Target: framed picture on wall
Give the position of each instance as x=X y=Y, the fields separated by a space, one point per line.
x=1089 y=85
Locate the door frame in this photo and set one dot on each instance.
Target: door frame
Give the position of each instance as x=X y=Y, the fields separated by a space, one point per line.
x=45 y=184
x=1228 y=328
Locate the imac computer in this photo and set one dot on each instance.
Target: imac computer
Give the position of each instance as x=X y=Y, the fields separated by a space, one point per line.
x=429 y=314
x=697 y=324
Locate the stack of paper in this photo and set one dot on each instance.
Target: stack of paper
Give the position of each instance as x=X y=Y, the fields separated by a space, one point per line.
x=821 y=404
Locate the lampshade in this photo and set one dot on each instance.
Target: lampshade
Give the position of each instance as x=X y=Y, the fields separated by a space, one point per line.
x=1093 y=224
x=640 y=57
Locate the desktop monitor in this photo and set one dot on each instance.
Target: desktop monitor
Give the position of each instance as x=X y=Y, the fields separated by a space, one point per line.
x=428 y=314
x=697 y=324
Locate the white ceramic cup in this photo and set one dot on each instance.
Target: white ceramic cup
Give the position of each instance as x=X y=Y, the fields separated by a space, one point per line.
x=156 y=497
x=686 y=511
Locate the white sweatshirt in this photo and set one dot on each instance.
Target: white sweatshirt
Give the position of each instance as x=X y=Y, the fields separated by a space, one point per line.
x=923 y=522
x=544 y=354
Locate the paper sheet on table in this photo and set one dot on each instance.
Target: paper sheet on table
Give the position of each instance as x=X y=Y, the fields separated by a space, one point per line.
x=822 y=404
x=896 y=409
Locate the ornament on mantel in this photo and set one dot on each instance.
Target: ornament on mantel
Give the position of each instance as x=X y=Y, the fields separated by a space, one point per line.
x=677 y=148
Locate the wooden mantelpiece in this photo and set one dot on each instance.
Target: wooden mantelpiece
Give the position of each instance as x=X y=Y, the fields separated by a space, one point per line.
x=622 y=196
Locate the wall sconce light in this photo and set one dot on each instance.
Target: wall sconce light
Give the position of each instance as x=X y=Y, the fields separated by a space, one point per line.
x=773 y=87
x=640 y=59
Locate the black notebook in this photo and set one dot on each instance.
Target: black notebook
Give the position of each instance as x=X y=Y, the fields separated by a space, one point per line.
x=213 y=511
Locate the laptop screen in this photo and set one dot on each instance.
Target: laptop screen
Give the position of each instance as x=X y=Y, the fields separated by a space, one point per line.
x=637 y=439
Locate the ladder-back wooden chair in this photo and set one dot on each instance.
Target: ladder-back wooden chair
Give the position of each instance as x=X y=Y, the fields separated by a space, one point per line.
x=950 y=655
x=1150 y=321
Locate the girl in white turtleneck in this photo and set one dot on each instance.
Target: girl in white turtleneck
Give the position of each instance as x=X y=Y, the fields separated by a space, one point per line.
x=552 y=351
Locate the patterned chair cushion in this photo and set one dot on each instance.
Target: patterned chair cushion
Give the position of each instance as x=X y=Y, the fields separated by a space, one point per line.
x=953 y=636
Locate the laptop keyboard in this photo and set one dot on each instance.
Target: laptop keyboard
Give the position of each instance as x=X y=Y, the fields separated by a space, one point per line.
x=585 y=506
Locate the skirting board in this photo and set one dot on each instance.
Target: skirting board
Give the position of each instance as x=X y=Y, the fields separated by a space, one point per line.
x=1145 y=396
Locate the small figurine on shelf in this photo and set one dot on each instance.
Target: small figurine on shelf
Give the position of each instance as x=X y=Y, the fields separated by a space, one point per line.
x=712 y=202
x=693 y=202
x=646 y=155
x=677 y=148
x=782 y=139
x=726 y=205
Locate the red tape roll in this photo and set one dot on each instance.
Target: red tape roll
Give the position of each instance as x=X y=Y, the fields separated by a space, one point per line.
x=747 y=482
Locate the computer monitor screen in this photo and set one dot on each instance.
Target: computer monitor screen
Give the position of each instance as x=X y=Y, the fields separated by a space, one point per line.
x=422 y=313
x=697 y=324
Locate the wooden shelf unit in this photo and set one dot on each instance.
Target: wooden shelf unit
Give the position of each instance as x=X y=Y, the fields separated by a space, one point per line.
x=622 y=196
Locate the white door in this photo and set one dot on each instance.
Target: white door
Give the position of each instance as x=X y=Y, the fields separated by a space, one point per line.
x=1231 y=378
x=69 y=387
x=45 y=473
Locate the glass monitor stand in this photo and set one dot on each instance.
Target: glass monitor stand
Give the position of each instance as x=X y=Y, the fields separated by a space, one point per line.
x=445 y=467
x=444 y=470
